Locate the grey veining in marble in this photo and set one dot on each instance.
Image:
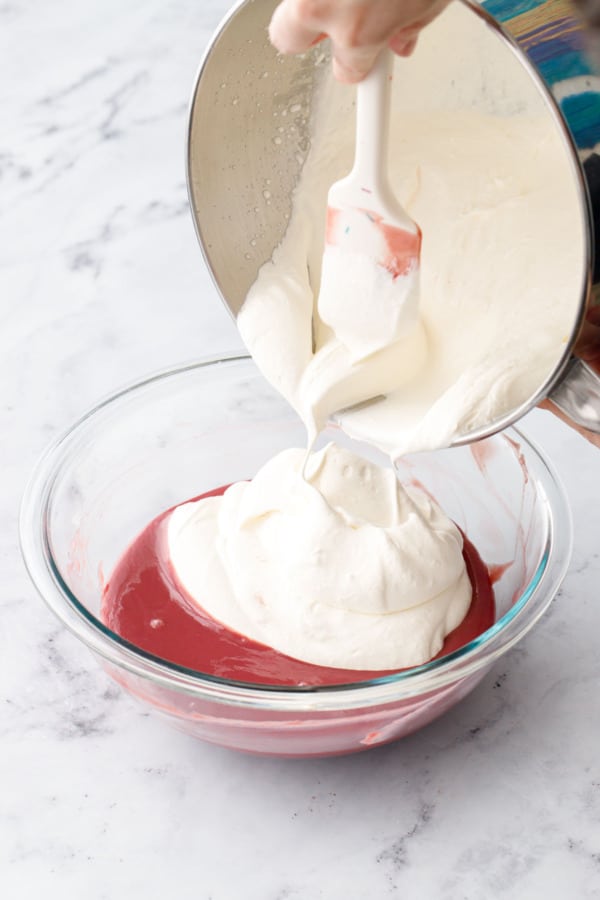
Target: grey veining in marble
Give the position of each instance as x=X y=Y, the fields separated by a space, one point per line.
x=101 y=282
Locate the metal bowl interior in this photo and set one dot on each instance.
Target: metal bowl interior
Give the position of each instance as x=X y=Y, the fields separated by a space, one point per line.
x=251 y=124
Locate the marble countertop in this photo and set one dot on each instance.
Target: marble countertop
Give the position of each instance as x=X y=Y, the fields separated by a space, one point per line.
x=101 y=281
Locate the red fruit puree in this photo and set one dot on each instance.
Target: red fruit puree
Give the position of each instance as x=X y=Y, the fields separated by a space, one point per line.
x=144 y=604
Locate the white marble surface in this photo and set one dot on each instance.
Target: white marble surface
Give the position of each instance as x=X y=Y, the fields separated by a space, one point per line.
x=101 y=281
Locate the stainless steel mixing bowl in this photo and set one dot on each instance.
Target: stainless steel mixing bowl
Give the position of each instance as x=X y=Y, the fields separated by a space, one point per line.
x=250 y=132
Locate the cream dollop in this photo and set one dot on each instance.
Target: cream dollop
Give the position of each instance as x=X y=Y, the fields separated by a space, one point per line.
x=344 y=568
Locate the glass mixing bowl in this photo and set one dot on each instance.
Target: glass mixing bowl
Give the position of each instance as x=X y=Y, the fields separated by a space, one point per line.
x=183 y=432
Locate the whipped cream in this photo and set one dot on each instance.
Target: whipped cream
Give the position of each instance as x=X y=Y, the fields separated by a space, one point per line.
x=342 y=568
x=500 y=270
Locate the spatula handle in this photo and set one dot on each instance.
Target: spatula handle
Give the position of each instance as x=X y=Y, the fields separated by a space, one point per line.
x=373 y=100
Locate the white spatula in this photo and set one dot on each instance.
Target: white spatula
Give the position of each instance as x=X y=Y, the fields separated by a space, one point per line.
x=369 y=280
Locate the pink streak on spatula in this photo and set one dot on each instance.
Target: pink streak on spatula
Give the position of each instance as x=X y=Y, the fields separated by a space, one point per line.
x=403 y=248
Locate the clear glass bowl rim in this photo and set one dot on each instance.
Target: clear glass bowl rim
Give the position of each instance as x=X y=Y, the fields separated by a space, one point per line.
x=479 y=653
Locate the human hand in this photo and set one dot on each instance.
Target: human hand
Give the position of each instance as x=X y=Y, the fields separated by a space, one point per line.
x=359 y=29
